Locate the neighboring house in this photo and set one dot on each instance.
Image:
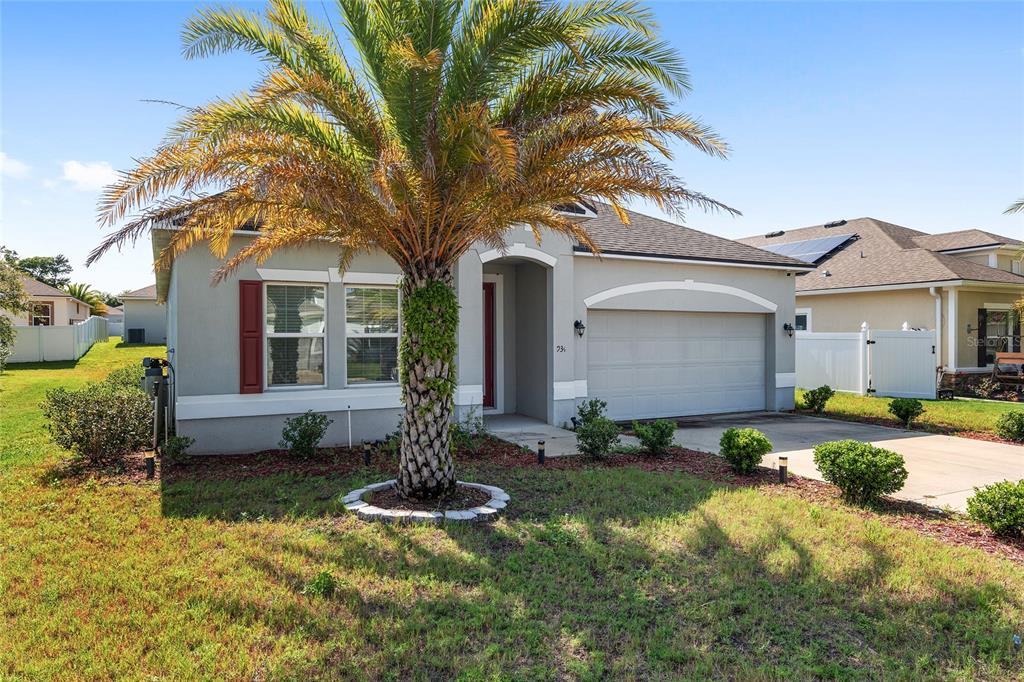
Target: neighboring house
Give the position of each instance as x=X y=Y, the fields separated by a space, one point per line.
x=115 y=320
x=145 y=320
x=670 y=321
x=963 y=283
x=50 y=307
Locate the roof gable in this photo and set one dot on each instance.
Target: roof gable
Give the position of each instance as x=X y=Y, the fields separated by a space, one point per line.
x=884 y=254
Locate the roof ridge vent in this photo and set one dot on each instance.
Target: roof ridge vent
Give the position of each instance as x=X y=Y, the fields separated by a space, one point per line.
x=776 y=233
x=835 y=223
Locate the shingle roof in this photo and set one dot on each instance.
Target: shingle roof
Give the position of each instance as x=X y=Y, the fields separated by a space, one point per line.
x=647 y=236
x=883 y=254
x=144 y=292
x=963 y=239
x=36 y=288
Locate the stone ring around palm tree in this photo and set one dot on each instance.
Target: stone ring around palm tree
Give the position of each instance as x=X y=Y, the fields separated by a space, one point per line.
x=488 y=511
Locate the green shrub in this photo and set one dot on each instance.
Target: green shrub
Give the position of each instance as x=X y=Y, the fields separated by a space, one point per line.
x=175 y=449
x=595 y=434
x=815 y=399
x=861 y=471
x=5 y=354
x=906 y=409
x=590 y=410
x=744 y=448
x=656 y=437
x=128 y=377
x=100 y=420
x=999 y=506
x=323 y=585
x=1011 y=426
x=470 y=434
x=302 y=434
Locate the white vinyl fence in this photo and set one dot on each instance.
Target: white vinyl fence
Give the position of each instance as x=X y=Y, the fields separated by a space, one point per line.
x=67 y=342
x=890 y=363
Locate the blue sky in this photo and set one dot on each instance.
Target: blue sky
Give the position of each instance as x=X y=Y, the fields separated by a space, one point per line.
x=911 y=113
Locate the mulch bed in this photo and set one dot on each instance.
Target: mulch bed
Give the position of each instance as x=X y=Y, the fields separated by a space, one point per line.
x=950 y=528
x=463 y=497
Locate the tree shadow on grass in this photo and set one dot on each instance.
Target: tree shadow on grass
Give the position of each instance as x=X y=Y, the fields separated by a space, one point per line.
x=588 y=583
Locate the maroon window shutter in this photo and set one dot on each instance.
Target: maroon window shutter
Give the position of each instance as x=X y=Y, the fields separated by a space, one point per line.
x=250 y=335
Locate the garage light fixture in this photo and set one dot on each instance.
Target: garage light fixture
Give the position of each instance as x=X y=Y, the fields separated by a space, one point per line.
x=579 y=327
x=788 y=328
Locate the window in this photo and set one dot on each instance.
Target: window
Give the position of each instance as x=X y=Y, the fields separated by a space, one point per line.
x=802 y=320
x=1015 y=267
x=371 y=331
x=295 y=324
x=42 y=315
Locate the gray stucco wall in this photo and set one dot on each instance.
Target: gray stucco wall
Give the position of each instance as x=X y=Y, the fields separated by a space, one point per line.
x=148 y=315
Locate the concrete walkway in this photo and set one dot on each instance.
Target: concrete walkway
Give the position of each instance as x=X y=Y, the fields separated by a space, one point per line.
x=527 y=431
x=943 y=469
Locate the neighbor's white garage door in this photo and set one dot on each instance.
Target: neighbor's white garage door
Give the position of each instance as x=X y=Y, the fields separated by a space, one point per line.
x=664 y=364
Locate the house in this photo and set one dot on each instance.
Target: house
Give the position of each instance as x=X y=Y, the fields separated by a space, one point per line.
x=668 y=321
x=50 y=307
x=962 y=283
x=145 y=319
x=115 y=320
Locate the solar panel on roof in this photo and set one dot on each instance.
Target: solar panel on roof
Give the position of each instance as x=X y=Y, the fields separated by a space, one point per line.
x=810 y=250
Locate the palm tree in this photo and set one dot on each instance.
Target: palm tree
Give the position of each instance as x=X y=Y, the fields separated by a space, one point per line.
x=459 y=120
x=1015 y=207
x=86 y=294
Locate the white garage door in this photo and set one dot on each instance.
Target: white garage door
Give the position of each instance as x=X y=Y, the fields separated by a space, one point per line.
x=662 y=364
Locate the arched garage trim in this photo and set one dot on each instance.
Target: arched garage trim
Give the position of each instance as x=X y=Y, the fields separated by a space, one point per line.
x=519 y=250
x=683 y=285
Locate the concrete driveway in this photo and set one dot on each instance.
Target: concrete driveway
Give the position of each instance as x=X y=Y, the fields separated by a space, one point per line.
x=943 y=469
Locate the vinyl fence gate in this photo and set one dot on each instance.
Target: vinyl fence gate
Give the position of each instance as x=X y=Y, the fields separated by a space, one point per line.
x=899 y=363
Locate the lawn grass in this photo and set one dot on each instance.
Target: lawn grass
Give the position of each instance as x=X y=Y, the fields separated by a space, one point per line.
x=594 y=573
x=939 y=415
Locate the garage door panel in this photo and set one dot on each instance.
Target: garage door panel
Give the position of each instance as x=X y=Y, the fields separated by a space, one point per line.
x=661 y=364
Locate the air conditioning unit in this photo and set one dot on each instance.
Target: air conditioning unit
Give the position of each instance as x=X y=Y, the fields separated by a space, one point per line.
x=137 y=335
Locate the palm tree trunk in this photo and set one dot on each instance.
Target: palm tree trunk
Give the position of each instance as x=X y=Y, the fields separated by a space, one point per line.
x=427 y=359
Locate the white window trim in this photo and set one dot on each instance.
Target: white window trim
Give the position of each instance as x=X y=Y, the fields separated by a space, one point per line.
x=277 y=276
x=49 y=305
x=266 y=340
x=807 y=312
x=398 y=335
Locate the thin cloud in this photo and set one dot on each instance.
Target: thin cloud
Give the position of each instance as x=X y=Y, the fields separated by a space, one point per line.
x=89 y=176
x=12 y=168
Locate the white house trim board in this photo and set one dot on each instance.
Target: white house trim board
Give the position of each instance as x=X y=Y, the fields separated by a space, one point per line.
x=951 y=303
x=997 y=306
x=469 y=394
x=278 y=275
x=684 y=285
x=690 y=261
x=785 y=379
x=287 y=402
x=520 y=250
x=377 y=278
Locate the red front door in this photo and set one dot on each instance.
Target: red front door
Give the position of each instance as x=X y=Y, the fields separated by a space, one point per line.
x=489 y=344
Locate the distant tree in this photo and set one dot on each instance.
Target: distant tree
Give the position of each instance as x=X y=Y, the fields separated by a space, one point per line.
x=9 y=256
x=112 y=300
x=86 y=294
x=52 y=270
x=14 y=300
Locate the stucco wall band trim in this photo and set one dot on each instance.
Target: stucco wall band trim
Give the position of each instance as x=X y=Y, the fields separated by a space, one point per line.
x=683 y=285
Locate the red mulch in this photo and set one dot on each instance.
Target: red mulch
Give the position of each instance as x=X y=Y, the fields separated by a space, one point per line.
x=463 y=497
x=952 y=529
